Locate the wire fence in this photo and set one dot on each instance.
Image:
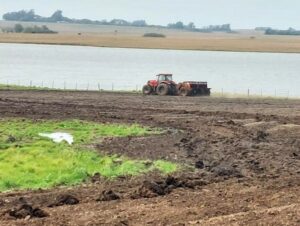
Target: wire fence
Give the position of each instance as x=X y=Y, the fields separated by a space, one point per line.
x=107 y=86
x=80 y=86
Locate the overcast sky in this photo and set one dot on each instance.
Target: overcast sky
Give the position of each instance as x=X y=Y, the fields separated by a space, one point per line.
x=239 y=13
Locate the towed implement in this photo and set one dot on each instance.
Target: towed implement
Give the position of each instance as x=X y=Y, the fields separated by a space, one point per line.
x=164 y=85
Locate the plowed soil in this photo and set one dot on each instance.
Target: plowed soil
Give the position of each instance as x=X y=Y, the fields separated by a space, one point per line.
x=242 y=159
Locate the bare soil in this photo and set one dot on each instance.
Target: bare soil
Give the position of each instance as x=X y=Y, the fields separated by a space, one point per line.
x=242 y=158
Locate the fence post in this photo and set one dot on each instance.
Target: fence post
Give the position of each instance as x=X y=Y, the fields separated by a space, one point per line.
x=248 y=92
x=99 y=87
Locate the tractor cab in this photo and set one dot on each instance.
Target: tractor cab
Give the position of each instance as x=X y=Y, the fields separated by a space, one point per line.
x=164 y=77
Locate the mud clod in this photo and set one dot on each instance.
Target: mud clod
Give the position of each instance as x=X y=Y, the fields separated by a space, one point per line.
x=123 y=223
x=151 y=189
x=65 y=200
x=96 y=178
x=261 y=136
x=184 y=140
x=108 y=196
x=27 y=210
x=11 y=139
x=199 y=164
x=226 y=171
x=230 y=122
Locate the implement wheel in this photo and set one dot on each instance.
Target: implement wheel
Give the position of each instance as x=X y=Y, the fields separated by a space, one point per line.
x=208 y=92
x=184 y=92
x=147 y=90
x=162 y=89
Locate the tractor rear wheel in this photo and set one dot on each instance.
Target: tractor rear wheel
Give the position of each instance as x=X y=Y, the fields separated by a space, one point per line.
x=162 y=89
x=147 y=90
x=173 y=90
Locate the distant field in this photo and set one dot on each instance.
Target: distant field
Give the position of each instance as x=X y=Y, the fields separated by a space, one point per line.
x=131 y=37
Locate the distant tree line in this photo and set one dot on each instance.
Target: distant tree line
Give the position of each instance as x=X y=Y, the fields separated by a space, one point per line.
x=290 y=31
x=262 y=28
x=181 y=25
x=57 y=17
x=18 y=28
x=216 y=28
x=191 y=27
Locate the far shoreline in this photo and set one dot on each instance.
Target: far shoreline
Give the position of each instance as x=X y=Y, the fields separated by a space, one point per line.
x=219 y=42
x=145 y=48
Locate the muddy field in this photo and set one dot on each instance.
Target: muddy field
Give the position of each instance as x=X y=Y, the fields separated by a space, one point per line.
x=242 y=159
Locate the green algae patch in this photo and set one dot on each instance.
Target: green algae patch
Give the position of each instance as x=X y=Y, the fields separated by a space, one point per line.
x=165 y=166
x=29 y=161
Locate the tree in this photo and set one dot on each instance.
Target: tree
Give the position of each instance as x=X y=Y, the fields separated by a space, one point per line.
x=178 y=25
x=57 y=16
x=19 y=28
x=290 y=31
x=139 y=23
x=191 y=26
x=119 y=22
x=225 y=27
x=20 y=16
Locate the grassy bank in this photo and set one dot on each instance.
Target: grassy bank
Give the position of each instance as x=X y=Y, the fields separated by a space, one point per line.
x=226 y=95
x=35 y=88
x=29 y=161
x=19 y=87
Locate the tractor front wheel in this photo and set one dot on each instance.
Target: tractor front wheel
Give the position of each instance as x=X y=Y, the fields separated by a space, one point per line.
x=147 y=90
x=162 y=89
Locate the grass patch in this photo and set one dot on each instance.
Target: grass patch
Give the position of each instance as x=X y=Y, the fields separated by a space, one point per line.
x=165 y=167
x=28 y=161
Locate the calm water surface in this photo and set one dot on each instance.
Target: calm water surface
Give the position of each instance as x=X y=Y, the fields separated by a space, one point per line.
x=128 y=69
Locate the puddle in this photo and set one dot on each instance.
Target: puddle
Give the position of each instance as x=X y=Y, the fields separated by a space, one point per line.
x=59 y=137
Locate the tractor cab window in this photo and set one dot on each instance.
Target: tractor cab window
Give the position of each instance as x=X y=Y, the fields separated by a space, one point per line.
x=164 y=78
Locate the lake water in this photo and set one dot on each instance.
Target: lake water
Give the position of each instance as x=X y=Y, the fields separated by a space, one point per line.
x=128 y=69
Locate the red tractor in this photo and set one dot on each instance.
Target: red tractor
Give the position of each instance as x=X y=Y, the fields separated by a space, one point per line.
x=164 y=85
